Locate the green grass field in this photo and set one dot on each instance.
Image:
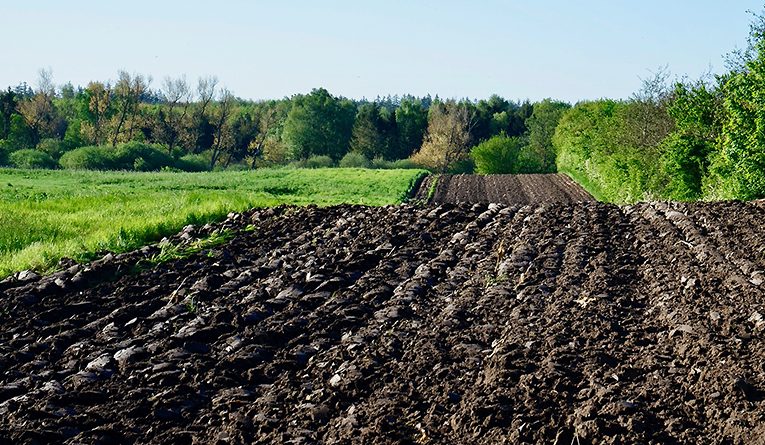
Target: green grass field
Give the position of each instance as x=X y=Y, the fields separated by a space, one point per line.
x=46 y=215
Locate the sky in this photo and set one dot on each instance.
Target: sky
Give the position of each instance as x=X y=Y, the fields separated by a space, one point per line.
x=519 y=49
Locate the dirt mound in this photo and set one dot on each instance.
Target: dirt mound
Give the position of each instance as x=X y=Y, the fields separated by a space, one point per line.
x=501 y=189
x=584 y=323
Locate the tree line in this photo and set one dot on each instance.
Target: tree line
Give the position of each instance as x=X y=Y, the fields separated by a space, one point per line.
x=128 y=125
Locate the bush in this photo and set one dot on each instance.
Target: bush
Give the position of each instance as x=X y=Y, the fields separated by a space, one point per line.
x=497 y=155
x=380 y=164
x=406 y=164
x=129 y=156
x=54 y=147
x=237 y=167
x=29 y=158
x=319 y=162
x=531 y=160
x=152 y=157
x=684 y=162
x=598 y=144
x=193 y=163
x=88 y=158
x=354 y=160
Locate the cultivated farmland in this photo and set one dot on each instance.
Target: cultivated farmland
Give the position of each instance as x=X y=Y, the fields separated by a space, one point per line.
x=501 y=189
x=563 y=322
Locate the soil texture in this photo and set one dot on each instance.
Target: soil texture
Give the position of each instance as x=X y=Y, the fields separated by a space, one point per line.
x=559 y=323
x=501 y=189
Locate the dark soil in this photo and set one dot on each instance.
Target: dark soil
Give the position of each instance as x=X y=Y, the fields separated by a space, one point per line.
x=560 y=323
x=501 y=189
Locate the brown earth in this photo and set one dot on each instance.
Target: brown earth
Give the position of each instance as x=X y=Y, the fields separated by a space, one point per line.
x=501 y=189
x=560 y=323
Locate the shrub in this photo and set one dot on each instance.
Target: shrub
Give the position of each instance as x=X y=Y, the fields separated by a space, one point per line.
x=54 y=147
x=497 y=155
x=354 y=160
x=152 y=157
x=684 y=162
x=599 y=144
x=322 y=161
x=127 y=156
x=533 y=160
x=406 y=164
x=140 y=165
x=237 y=167
x=193 y=163
x=380 y=164
x=463 y=166
x=29 y=158
x=88 y=158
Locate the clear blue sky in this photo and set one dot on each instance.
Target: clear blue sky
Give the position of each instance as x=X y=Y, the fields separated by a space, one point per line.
x=519 y=49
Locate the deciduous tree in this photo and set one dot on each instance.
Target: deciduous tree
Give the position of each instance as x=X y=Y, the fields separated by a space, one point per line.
x=319 y=124
x=449 y=138
x=127 y=94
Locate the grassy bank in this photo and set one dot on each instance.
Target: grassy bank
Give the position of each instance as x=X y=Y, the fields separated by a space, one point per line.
x=46 y=215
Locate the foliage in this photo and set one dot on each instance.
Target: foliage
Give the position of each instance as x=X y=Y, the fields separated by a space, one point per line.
x=405 y=164
x=590 y=143
x=699 y=140
x=237 y=133
x=319 y=162
x=685 y=160
x=53 y=147
x=411 y=122
x=30 y=158
x=128 y=156
x=449 y=135
x=497 y=155
x=319 y=124
x=739 y=168
x=8 y=107
x=88 y=158
x=47 y=215
x=497 y=116
x=170 y=252
x=367 y=138
x=20 y=134
x=193 y=163
x=140 y=157
x=464 y=166
x=5 y=150
x=539 y=157
x=354 y=160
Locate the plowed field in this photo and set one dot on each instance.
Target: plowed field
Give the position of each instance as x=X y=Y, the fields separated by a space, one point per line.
x=502 y=189
x=560 y=323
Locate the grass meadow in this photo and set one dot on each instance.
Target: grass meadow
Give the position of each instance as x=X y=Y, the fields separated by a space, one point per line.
x=46 y=215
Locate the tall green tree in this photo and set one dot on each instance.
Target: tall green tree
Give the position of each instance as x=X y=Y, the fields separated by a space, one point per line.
x=541 y=126
x=367 y=137
x=741 y=164
x=411 y=122
x=8 y=107
x=697 y=110
x=319 y=124
x=488 y=112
